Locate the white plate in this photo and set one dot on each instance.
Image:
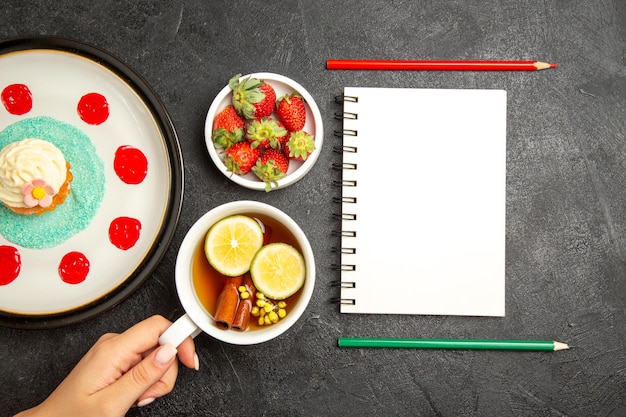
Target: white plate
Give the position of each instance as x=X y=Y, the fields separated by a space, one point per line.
x=58 y=72
x=314 y=126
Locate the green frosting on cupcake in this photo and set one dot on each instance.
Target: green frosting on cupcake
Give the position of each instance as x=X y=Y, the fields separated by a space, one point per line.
x=87 y=188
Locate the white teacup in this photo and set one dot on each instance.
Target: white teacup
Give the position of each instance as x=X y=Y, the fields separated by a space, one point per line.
x=196 y=318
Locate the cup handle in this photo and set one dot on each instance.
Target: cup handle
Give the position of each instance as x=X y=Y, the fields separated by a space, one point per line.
x=179 y=331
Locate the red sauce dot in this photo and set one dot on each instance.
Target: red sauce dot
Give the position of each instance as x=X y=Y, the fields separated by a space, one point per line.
x=130 y=164
x=10 y=264
x=17 y=99
x=124 y=232
x=93 y=108
x=74 y=268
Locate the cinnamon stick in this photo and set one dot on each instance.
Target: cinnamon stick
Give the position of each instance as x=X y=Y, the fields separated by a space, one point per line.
x=242 y=315
x=227 y=303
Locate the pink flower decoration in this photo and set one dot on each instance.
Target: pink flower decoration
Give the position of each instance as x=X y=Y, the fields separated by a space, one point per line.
x=38 y=193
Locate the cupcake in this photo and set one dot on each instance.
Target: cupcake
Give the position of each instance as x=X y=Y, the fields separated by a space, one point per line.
x=34 y=176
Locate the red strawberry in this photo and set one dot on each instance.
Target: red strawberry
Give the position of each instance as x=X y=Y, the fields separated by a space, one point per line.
x=266 y=133
x=291 y=111
x=282 y=140
x=241 y=157
x=299 y=145
x=271 y=166
x=253 y=98
x=228 y=128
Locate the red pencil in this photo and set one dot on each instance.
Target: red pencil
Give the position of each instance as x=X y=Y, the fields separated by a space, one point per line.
x=415 y=65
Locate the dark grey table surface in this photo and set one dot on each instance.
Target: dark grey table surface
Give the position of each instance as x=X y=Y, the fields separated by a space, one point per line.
x=566 y=220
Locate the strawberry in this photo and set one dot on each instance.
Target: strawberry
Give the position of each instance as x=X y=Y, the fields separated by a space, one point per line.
x=291 y=110
x=266 y=133
x=299 y=145
x=252 y=98
x=271 y=166
x=282 y=140
x=241 y=157
x=228 y=128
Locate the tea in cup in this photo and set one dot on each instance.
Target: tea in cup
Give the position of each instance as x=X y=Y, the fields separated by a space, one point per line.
x=202 y=288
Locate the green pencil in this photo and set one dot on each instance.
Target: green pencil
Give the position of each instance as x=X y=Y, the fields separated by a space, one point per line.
x=537 y=345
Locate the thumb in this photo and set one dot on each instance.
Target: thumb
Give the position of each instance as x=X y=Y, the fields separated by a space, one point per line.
x=142 y=376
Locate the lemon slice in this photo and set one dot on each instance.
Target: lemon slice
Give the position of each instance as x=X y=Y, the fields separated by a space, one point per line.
x=231 y=244
x=278 y=270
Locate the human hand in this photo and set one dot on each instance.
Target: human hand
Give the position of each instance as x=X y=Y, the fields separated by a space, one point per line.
x=119 y=371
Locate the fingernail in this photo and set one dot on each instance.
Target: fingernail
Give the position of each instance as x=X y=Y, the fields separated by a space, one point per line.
x=145 y=402
x=196 y=362
x=165 y=354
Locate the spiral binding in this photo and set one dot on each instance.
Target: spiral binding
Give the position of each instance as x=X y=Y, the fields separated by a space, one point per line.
x=344 y=183
x=341 y=99
x=344 y=165
x=345 y=132
x=344 y=216
x=345 y=149
x=340 y=200
x=339 y=300
x=344 y=199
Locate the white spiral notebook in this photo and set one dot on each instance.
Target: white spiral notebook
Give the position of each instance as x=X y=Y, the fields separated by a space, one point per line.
x=423 y=201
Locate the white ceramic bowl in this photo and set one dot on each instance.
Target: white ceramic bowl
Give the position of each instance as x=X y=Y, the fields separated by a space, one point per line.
x=314 y=126
x=197 y=318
